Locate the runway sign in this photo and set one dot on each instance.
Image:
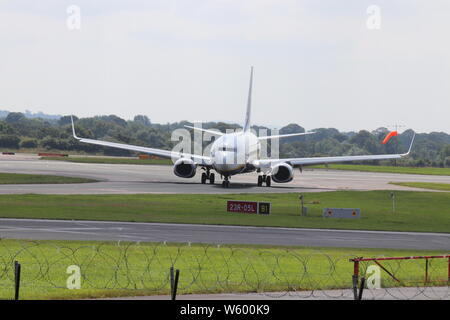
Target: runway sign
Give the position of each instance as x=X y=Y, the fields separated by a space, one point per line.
x=264 y=207
x=350 y=213
x=252 y=207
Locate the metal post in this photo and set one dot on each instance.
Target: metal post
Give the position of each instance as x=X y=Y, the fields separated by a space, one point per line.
x=17 y=269
x=361 y=288
x=355 y=278
x=448 y=269
x=393 y=202
x=171 y=280
x=301 y=201
x=175 y=285
x=426 y=270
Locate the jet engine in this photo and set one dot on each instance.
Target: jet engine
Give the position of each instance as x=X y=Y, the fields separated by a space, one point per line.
x=282 y=173
x=184 y=168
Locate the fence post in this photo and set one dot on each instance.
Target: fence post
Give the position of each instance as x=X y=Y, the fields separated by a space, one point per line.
x=171 y=280
x=449 y=269
x=175 y=285
x=361 y=288
x=17 y=269
x=355 y=278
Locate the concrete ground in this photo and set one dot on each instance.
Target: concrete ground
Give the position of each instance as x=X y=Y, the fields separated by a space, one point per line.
x=184 y=233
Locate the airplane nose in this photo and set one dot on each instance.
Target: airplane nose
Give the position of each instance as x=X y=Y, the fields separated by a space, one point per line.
x=225 y=161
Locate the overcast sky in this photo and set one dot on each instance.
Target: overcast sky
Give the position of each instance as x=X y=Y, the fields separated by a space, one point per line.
x=317 y=63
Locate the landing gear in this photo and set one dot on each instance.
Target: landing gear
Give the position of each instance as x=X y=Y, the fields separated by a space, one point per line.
x=207 y=176
x=260 y=181
x=226 y=183
x=268 y=181
x=204 y=177
x=264 y=179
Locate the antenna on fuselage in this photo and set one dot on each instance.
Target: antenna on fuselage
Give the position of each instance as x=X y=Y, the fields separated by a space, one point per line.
x=249 y=103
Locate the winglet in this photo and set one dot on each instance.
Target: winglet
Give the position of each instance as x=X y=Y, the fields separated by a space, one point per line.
x=73 y=129
x=410 y=146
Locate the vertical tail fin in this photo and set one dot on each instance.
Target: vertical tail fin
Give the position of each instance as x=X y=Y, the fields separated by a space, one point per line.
x=249 y=104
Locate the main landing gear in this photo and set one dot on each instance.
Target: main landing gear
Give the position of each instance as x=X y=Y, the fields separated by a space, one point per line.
x=207 y=176
x=264 y=179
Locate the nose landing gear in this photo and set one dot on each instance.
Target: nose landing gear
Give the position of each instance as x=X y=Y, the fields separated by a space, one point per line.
x=226 y=182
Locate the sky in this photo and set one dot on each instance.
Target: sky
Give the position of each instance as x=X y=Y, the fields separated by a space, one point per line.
x=350 y=64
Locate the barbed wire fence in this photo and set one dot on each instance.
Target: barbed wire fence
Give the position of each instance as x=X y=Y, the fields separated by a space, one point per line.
x=58 y=270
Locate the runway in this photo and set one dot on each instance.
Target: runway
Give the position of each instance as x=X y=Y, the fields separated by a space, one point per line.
x=160 y=232
x=131 y=179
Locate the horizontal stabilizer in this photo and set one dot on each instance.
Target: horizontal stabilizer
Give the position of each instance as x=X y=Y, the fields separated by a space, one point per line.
x=217 y=133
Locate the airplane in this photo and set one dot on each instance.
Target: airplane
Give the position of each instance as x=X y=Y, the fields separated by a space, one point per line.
x=237 y=153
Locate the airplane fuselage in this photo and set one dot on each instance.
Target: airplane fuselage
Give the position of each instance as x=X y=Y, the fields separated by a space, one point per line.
x=234 y=152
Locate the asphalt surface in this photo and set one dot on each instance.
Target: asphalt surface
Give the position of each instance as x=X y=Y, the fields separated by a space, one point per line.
x=160 y=232
x=120 y=179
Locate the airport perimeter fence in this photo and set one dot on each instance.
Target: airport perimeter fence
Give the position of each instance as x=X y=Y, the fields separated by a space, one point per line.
x=47 y=270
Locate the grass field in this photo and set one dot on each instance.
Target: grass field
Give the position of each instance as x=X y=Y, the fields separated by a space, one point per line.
x=111 y=160
x=415 y=211
x=125 y=269
x=388 y=169
x=424 y=185
x=17 y=178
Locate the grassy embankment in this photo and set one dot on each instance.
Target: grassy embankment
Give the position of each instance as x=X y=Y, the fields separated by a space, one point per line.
x=111 y=160
x=18 y=178
x=388 y=169
x=414 y=211
x=424 y=185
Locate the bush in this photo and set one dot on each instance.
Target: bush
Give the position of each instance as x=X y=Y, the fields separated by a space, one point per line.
x=29 y=143
x=9 y=141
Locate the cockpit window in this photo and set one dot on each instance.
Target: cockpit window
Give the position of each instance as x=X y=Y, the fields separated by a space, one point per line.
x=228 y=149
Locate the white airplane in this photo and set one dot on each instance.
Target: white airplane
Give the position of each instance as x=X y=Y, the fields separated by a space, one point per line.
x=239 y=152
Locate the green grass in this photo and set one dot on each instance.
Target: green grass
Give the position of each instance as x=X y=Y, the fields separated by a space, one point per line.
x=111 y=160
x=424 y=185
x=17 y=178
x=388 y=169
x=415 y=211
x=131 y=269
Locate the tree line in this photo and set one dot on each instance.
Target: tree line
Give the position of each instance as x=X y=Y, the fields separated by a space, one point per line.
x=18 y=132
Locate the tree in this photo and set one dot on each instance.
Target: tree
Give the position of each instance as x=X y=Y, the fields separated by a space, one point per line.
x=9 y=141
x=66 y=120
x=14 y=117
x=29 y=143
x=144 y=120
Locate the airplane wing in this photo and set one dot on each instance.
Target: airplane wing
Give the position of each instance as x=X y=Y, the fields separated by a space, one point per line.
x=285 y=135
x=202 y=160
x=324 y=160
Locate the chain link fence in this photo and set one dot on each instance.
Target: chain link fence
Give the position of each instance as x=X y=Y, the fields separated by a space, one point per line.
x=52 y=269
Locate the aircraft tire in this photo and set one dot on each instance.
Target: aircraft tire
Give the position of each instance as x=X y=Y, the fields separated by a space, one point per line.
x=268 y=181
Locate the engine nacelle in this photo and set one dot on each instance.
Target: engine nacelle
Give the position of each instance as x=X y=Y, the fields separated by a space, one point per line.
x=282 y=173
x=184 y=168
